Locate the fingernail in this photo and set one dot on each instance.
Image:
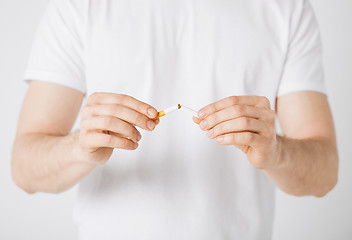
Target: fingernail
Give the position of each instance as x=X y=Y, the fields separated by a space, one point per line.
x=203 y=124
x=210 y=132
x=135 y=145
x=201 y=114
x=152 y=112
x=139 y=137
x=150 y=125
x=220 y=139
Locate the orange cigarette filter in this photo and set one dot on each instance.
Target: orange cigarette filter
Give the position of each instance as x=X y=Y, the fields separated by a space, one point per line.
x=167 y=111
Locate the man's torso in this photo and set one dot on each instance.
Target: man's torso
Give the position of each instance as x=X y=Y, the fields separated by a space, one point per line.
x=179 y=184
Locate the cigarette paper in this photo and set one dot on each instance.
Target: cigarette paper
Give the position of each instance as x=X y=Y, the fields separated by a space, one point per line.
x=168 y=110
x=189 y=110
x=175 y=108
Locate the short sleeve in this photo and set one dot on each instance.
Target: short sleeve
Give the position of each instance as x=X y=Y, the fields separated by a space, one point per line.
x=303 y=70
x=57 y=51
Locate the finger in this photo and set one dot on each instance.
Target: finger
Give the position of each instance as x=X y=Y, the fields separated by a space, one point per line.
x=111 y=124
x=240 y=139
x=94 y=141
x=257 y=101
x=232 y=112
x=157 y=121
x=196 y=120
x=122 y=112
x=112 y=133
x=242 y=124
x=121 y=99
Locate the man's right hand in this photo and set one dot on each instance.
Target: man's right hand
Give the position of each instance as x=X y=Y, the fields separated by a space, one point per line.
x=109 y=121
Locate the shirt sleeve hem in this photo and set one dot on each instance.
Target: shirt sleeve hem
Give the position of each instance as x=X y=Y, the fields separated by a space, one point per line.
x=299 y=86
x=61 y=79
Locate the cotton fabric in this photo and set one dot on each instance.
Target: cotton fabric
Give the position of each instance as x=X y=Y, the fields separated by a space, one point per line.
x=178 y=184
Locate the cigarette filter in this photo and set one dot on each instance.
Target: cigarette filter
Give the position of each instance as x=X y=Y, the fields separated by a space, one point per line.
x=168 y=110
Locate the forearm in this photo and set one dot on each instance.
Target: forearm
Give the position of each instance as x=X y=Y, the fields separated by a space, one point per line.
x=305 y=167
x=48 y=163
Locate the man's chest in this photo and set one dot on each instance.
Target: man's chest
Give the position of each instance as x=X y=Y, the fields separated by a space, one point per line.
x=224 y=46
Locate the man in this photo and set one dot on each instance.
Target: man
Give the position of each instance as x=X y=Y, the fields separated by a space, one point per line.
x=241 y=63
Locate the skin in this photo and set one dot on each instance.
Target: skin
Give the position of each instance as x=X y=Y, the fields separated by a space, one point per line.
x=303 y=161
x=48 y=158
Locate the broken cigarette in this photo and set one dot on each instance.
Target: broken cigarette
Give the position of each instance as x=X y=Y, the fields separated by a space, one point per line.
x=175 y=108
x=189 y=110
x=167 y=111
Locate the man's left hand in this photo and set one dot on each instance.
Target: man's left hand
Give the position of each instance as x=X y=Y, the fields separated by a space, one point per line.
x=246 y=122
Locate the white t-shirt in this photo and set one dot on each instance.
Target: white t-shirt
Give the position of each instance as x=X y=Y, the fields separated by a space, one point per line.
x=178 y=184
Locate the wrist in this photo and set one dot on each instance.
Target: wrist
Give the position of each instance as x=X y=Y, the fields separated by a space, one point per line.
x=278 y=156
x=86 y=156
x=80 y=155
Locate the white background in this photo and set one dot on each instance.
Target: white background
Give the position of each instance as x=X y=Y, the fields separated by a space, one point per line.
x=46 y=216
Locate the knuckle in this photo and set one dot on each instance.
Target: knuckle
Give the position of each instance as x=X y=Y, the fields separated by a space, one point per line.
x=108 y=140
x=113 y=109
x=234 y=100
x=135 y=133
x=238 y=110
x=125 y=143
x=140 y=106
x=245 y=122
x=250 y=137
x=213 y=119
x=131 y=131
x=210 y=121
x=214 y=108
x=140 y=120
x=122 y=98
x=94 y=97
x=118 y=110
x=216 y=131
x=219 y=129
x=233 y=137
x=107 y=122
